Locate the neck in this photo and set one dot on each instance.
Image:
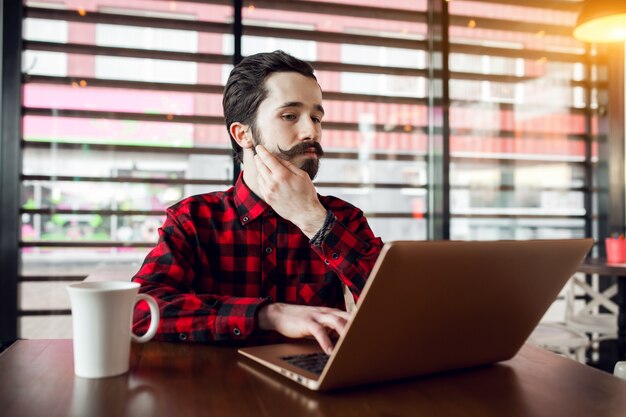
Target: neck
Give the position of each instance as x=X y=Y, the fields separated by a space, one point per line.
x=250 y=173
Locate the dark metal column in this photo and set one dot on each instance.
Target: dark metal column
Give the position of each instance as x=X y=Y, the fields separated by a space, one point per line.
x=237 y=34
x=616 y=213
x=10 y=164
x=611 y=191
x=610 y=183
x=438 y=123
x=617 y=207
x=588 y=197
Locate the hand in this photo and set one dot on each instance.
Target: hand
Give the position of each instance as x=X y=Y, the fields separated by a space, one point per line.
x=289 y=191
x=298 y=321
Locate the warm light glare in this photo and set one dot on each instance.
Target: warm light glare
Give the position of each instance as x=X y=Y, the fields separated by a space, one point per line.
x=605 y=29
x=471 y=24
x=82 y=12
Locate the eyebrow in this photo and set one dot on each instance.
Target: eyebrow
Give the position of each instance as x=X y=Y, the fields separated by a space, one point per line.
x=317 y=107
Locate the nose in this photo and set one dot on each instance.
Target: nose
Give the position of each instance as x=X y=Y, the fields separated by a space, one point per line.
x=309 y=130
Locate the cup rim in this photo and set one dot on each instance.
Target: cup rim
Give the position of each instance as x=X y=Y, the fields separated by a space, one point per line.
x=99 y=286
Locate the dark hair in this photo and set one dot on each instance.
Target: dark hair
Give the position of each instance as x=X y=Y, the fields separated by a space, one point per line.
x=245 y=88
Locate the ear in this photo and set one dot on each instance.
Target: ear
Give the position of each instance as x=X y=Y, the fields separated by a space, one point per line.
x=242 y=135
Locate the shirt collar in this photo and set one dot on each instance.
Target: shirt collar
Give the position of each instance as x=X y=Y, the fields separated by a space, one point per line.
x=249 y=205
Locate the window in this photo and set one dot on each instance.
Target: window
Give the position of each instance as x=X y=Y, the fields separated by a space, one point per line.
x=519 y=114
x=122 y=118
x=484 y=129
x=374 y=83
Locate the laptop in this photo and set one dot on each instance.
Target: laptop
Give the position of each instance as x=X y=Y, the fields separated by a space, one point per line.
x=435 y=306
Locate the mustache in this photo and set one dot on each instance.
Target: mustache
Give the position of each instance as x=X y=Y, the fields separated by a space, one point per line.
x=301 y=149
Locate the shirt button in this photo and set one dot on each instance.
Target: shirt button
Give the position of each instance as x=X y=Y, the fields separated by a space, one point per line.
x=335 y=255
x=236 y=332
x=268 y=250
x=269 y=298
x=182 y=336
x=246 y=218
x=326 y=261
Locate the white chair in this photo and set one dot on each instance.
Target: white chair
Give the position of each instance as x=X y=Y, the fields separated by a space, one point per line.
x=558 y=338
x=584 y=324
x=587 y=317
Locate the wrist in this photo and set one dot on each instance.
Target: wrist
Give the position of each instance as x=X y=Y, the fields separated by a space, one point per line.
x=265 y=316
x=321 y=234
x=313 y=222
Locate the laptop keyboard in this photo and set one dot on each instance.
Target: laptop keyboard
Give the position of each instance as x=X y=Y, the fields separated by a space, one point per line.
x=312 y=362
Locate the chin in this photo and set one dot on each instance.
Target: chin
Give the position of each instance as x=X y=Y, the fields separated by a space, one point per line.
x=311 y=166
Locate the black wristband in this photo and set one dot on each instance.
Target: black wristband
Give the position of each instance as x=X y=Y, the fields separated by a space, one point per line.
x=321 y=234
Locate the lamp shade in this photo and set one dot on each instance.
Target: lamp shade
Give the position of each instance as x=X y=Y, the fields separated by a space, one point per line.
x=602 y=21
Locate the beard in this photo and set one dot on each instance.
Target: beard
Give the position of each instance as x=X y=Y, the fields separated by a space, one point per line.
x=310 y=165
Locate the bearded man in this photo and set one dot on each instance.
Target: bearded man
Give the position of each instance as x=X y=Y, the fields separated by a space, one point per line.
x=269 y=255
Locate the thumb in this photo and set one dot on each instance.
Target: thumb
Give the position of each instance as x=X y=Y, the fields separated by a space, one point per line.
x=292 y=168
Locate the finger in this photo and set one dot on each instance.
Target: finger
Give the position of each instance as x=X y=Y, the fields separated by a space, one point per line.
x=343 y=314
x=262 y=175
x=273 y=163
x=319 y=333
x=332 y=321
x=291 y=167
x=261 y=167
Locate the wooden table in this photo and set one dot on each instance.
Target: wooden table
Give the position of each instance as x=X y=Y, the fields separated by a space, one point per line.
x=37 y=379
x=618 y=271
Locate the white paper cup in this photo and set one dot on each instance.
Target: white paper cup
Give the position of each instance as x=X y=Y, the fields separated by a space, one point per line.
x=102 y=314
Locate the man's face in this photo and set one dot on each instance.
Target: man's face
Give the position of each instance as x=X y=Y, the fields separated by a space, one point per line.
x=289 y=121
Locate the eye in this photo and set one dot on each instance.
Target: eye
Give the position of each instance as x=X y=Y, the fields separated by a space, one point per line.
x=316 y=119
x=289 y=117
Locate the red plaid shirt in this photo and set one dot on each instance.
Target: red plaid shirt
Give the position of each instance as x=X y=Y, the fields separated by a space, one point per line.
x=223 y=255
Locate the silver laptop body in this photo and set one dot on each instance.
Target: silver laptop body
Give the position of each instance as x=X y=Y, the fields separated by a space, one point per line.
x=433 y=306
